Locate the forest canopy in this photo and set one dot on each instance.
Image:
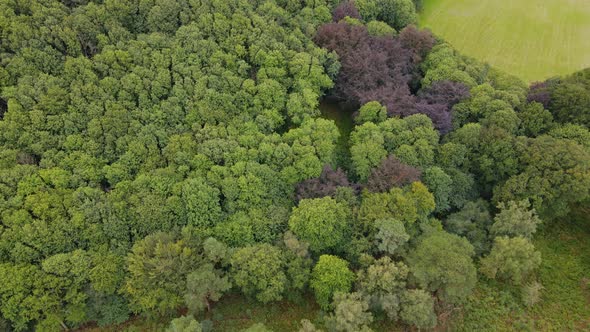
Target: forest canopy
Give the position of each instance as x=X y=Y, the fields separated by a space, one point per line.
x=156 y=155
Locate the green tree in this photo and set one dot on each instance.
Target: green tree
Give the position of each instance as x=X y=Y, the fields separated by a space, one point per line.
x=515 y=219
x=351 y=313
x=217 y=252
x=485 y=101
x=412 y=140
x=54 y=295
x=19 y=303
x=408 y=204
x=367 y=149
x=330 y=275
x=321 y=222
x=258 y=271
x=203 y=285
x=440 y=184
x=384 y=276
x=391 y=235
x=493 y=153
x=307 y=326
x=473 y=222
x=380 y=29
x=404 y=13
x=534 y=119
x=531 y=293
x=577 y=133
x=381 y=283
x=397 y=13
x=444 y=63
x=258 y=327
x=570 y=99
x=442 y=263
x=371 y=112
x=298 y=266
x=184 y=324
x=201 y=202
x=511 y=259
x=51 y=296
x=71 y=273
x=555 y=175
x=158 y=267
x=417 y=309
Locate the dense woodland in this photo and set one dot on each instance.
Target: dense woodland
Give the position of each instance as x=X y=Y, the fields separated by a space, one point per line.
x=156 y=155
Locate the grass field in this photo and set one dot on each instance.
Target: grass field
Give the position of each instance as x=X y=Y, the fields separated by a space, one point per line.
x=533 y=39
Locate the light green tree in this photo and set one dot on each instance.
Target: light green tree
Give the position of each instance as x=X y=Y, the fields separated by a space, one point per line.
x=372 y=111
x=391 y=235
x=511 y=259
x=330 y=275
x=321 y=222
x=515 y=219
x=184 y=324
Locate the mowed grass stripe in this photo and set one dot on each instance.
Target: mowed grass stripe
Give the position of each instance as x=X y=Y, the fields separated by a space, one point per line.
x=532 y=39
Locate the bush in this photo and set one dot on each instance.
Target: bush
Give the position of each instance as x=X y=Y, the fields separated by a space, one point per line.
x=531 y=293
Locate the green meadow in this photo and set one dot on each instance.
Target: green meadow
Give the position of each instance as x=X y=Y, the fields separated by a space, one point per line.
x=532 y=39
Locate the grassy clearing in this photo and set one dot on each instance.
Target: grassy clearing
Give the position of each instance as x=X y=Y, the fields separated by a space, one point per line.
x=565 y=275
x=532 y=39
x=342 y=116
x=235 y=313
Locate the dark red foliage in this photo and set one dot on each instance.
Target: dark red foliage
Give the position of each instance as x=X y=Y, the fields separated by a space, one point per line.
x=376 y=68
x=323 y=186
x=437 y=101
x=399 y=101
x=419 y=42
x=392 y=173
x=541 y=93
x=440 y=115
x=346 y=8
x=444 y=92
x=371 y=67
